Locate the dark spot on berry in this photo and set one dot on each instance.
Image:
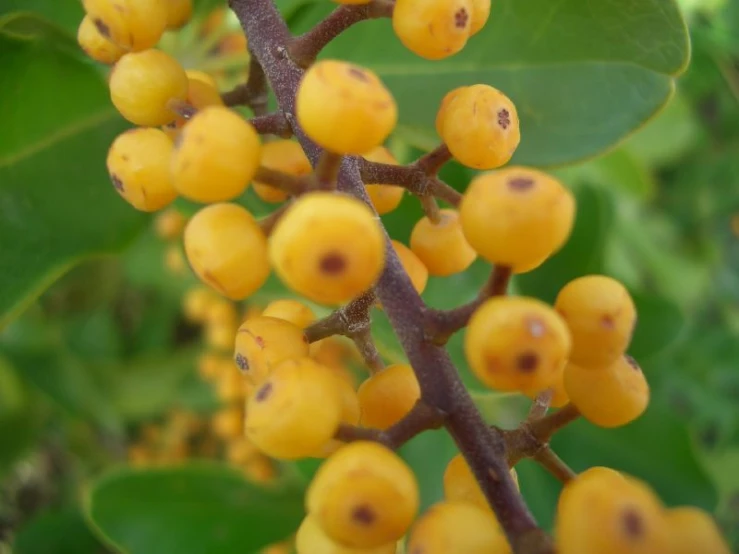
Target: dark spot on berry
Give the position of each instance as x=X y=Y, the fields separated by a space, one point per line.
x=333 y=263
x=102 y=28
x=632 y=362
x=527 y=362
x=358 y=74
x=264 y=392
x=241 y=362
x=259 y=341
x=364 y=515
x=461 y=18
x=504 y=118
x=607 y=322
x=117 y=183
x=633 y=524
x=125 y=158
x=520 y=184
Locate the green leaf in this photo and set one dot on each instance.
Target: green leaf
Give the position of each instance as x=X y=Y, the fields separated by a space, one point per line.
x=56 y=204
x=56 y=532
x=659 y=323
x=428 y=455
x=18 y=422
x=191 y=509
x=584 y=75
x=67 y=14
x=29 y=26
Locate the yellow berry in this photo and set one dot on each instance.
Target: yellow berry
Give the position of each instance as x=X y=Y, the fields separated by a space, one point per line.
x=350 y=411
x=315 y=251
x=311 y=539
x=144 y=84
x=413 y=266
x=442 y=247
x=210 y=366
x=601 y=317
x=240 y=451
x=220 y=336
x=295 y=411
x=174 y=261
x=281 y=155
x=600 y=511
x=221 y=311
x=201 y=93
x=169 y=224
x=179 y=13
x=230 y=386
x=441 y=114
x=694 y=531
x=216 y=156
x=138 y=163
x=131 y=24
x=457 y=528
x=385 y=198
x=559 y=395
x=228 y=423
x=196 y=302
x=517 y=217
x=516 y=344
x=263 y=342
x=460 y=484
x=95 y=45
x=433 y=29
x=481 y=127
x=293 y=311
x=609 y=396
x=345 y=108
x=227 y=250
x=388 y=395
x=480 y=15
x=363 y=496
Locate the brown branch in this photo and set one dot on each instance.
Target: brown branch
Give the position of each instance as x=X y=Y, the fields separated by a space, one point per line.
x=368 y=349
x=544 y=428
x=274 y=123
x=291 y=184
x=268 y=223
x=327 y=170
x=254 y=93
x=534 y=434
x=411 y=178
x=431 y=208
x=432 y=162
x=549 y=460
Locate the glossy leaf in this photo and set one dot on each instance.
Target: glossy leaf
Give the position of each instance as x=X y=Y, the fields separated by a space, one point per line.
x=56 y=532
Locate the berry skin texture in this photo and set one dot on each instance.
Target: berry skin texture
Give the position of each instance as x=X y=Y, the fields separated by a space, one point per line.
x=282 y=155
x=601 y=317
x=311 y=539
x=457 y=528
x=413 y=266
x=227 y=250
x=263 y=342
x=480 y=15
x=481 y=127
x=293 y=311
x=216 y=156
x=137 y=164
x=388 y=395
x=295 y=411
x=516 y=344
x=315 y=251
x=441 y=114
x=433 y=29
x=131 y=24
x=460 y=484
x=442 y=247
x=385 y=198
x=142 y=84
x=517 y=217
x=693 y=530
x=179 y=13
x=611 y=396
x=363 y=496
x=345 y=108
x=601 y=511
x=95 y=45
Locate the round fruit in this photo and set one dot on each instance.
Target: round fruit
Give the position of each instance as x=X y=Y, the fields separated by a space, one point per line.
x=201 y=93
x=481 y=127
x=350 y=411
x=315 y=251
x=95 y=45
x=385 y=198
x=227 y=250
x=293 y=311
x=179 y=13
x=196 y=302
x=295 y=411
x=460 y=484
x=441 y=114
x=413 y=266
x=216 y=156
x=311 y=539
x=143 y=86
x=228 y=423
x=138 y=163
x=388 y=395
x=169 y=224
x=516 y=344
x=131 y=24
x=442 y=247
x=363 y=496
x=610 y=396
x=281 y=155
x=345 y=108
x=692 y=530
x=601 y=317
x=433 y=29
x=517 y=217
x=480 y=15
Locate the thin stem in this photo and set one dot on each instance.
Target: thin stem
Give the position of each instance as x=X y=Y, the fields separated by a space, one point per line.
x=237 y=96
x=540 y=406
x=443 y=191
x=345 y=321
x=257 y=88
x=268 y=223
x=274 y=123
x=327 y=170
x=410 y=177
x=291 y=184
x=431 y=209
x=534 y=434
x=432 y=162
x=548 y=459
x=367 y=348
x=544 y=428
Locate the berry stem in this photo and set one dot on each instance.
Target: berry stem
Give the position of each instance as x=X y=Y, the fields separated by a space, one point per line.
x=432 y=162
x=549 y=460
x=268 y=223
x=367 y=348
x=540 y=406
x=291 y=184
x=535 y=433
x=274 y=123
x=327 y=170
x=410 y=177
x=430 y=208
x=544 y=428
x=346 y=320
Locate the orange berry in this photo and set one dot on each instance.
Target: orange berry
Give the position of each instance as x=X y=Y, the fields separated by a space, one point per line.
x=460 y=484
x=388 y=395
x=281 y=155
x=385 y=198
x=480 y=15
x=442 y=247
x=169 y=224
x=311 y=539
x=95 y=45
x=694 y=531
x=441 y=114
x=179 y=13
x=131 y=24
x=433 y=29
x=228 y=423
x=413 y=266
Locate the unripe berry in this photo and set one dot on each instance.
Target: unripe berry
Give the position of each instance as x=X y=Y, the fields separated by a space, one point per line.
x=282 y=155
x=433 y=29
x=413 y=266
x=216 y=156
x=363 y=496
x=694 y=531
x=138 y=166
x=95 y=45
x=460 y=484
x=293 y=311
x=144 y=84
x=517 y=217
x=385 y=198
x=441 y=114
x=227 y=250
x=480 y=15
x=603 y=512
x=315 y=251
x=601 y=317
x=131 y=24
x=196 y=302
x=388 y=395
x=295 y=411
x=169 y=224
x=457 y=528
x=609 y=396
x=311 y=539
x=179 y=13
x=442 y=247
x=481 y=127
x=345 y=108
x=516 y=344
x=263 y=342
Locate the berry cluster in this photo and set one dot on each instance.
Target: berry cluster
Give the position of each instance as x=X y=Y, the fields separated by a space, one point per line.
x=327 y=244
